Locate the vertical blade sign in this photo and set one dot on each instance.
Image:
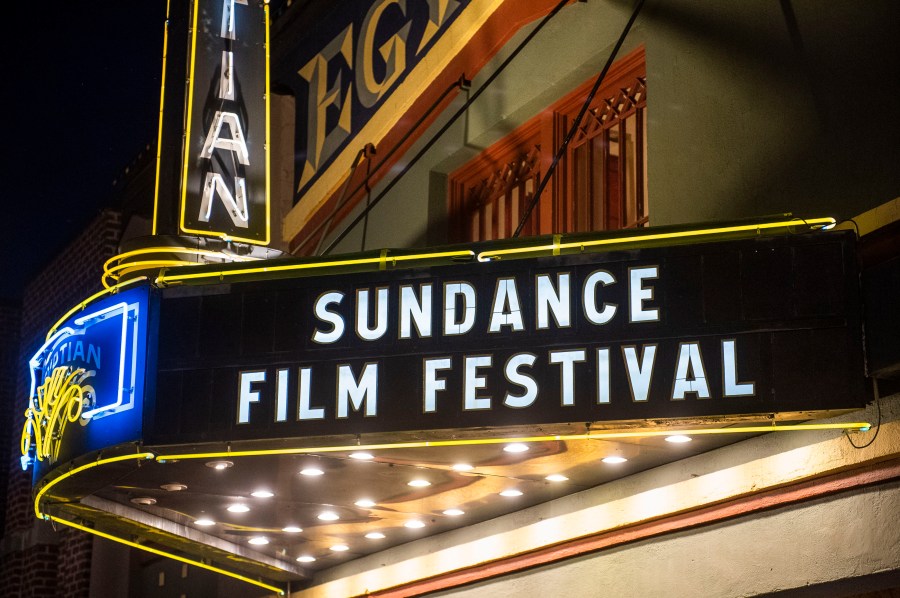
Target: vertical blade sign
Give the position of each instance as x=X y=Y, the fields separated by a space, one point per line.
x=225 y=180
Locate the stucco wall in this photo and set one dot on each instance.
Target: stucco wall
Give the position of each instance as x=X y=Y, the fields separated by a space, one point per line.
x=848 y=535
x=869 y=539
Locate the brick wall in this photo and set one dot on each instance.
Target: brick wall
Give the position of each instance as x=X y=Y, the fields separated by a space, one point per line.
x=34 y=561
x=9 y=354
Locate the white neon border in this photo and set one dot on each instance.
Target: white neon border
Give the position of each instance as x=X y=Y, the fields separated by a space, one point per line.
x=124 y=308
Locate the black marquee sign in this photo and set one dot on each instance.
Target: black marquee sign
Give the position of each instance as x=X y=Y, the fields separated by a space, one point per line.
x=759 y=326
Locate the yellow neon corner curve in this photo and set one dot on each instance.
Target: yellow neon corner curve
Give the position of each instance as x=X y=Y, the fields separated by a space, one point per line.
x=188 y=110
x=91 y=299
x=549 y=438
x=163 y=553
x=112 y=273
x=77 y=470
x=162 y=101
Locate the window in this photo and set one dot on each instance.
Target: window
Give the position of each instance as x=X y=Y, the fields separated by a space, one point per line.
x=600 y=184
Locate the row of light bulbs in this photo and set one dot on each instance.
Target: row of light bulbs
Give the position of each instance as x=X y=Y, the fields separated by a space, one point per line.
x=368 y=503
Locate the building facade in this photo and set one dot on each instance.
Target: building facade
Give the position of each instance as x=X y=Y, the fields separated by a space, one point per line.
x=421 y=124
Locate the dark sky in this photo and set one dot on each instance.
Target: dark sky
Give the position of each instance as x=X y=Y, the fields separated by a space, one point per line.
x=80 y=101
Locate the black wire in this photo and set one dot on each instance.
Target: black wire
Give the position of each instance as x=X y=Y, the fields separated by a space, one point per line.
x=577 y=123
x=463 y=109
x=855 y=225
x=877 y=428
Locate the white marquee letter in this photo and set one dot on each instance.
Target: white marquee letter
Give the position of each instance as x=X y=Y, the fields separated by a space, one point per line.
x=246 y=395
x=505 y=296
x=555 y=301
x=414 y=311
x=514 y=376
x=362 y=314
x=473 y=382
x=304 y=409
x=733 y=388
x=433 y=383
x=640 y=373
x=351 y=393
x=593 y=315
x=689 y=362
x=567 y=377
x=467 y=292
x=333 y=318
x=638 y=293
x=281 y=387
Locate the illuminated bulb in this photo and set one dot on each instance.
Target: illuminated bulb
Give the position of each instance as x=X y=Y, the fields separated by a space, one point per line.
x=678 y=439
x=340 y=548
x=259 y=541
x=219 y=464
x=311 y=471
x=305 y=558
x=291 y=529
x=204 y=522
x=144 y=500
x=238 y=508
x=556 y=477
x=262 y=494
x=362 y=456
x=511 y=493
x=375 y=536
x=454 y=512
x=365 y=503
x=463 y=467
x=612 y=460
x=419 y=483
x=173 y=487
x=414 y=524
x=329 y=516
x=516 y=447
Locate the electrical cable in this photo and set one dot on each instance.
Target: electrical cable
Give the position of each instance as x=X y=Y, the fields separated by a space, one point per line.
x=877 y=424
x=462 y=110
x=577 y=123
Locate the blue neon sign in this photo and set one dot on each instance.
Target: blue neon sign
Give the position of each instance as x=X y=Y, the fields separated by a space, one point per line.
x=87 y=381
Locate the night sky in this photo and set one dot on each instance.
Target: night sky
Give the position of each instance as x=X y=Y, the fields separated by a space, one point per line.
x=80 y=101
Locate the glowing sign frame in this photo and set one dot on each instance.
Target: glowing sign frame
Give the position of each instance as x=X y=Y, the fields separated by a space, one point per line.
x=127 y=374
x=189 y=153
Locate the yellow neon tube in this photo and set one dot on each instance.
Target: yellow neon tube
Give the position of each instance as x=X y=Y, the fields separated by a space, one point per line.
x=556 y=246
x=159 y=139
x=185 y=250
x=163 y=553
x=190 y=107
x=115 y=272
x=163 y=278
x=94 y=297
x=482 y=441
x=140 y=265
x=77 y=470
x=268 y=135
